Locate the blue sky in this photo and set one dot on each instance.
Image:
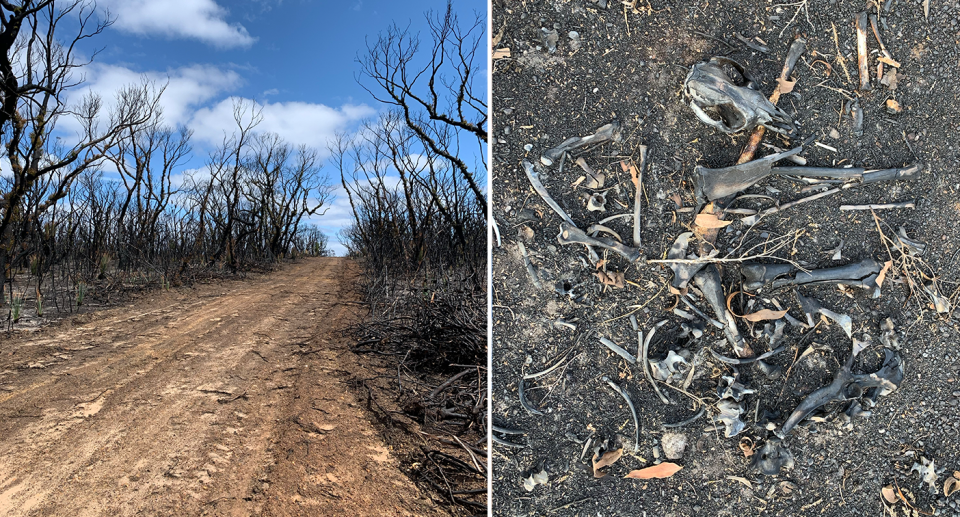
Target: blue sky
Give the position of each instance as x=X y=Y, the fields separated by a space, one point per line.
x=297 y=58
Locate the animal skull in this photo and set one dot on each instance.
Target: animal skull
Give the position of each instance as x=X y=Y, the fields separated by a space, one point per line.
x=737 y=107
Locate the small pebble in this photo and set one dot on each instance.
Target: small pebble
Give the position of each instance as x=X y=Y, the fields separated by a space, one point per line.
x=673 y=445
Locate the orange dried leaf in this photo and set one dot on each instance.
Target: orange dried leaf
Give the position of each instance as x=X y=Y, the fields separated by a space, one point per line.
x=663 y=470
x=764 y=314
x=883 y=272
x=501 y=53
x=608 y=458
x=611 y=278
x=888 y=494
x=629 y=166
x=710 y=221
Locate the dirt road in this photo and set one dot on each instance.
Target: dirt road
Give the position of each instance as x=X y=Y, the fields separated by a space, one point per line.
x=227 y=399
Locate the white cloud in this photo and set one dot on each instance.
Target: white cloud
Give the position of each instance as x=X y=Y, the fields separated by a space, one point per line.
x=296 y=122
x=271 y=91
x=202 y=20
x=187 y=88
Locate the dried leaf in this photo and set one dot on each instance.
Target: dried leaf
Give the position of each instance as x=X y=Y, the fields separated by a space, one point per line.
x=608 y=458
x=629 y=166
x=677 y=200
x=745 y=481
x=663 y=470
x=611 y=278
x=710 y=221
x=747 y=446
x=888 y=494
x=894 y=106
x=786 y=86
x=950 y=486
x=883 y=272
x=709 y=235
x=764 y=314
x=501 y=53
x=499 y=36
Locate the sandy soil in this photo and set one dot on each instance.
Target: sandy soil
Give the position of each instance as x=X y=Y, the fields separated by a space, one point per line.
x=227 y=399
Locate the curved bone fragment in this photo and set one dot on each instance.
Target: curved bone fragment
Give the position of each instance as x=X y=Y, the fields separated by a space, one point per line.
x=737 y=108
x=534 y=178
x=633 y=411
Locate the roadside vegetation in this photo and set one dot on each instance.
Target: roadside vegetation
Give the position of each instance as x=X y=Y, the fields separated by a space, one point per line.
x=95 y=194
x=415 y=178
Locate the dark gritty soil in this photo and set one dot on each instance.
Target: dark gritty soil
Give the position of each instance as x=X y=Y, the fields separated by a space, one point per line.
x=631 y=67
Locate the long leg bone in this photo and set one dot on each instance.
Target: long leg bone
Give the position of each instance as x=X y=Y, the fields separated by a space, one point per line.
x=714 y=184
x=861 y=274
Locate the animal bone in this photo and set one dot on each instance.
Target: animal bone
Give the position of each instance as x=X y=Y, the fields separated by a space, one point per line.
x=606 y=133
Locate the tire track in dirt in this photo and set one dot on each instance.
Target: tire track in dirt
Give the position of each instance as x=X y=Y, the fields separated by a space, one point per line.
x=172 y=405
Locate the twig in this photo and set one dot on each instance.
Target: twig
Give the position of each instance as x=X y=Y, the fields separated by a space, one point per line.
x=449 y=381
x=840 y=59
x=544 y=372
x=801 y=6
x=753 y=219
x=568 y=505
x=905 y=204
x=639 y=196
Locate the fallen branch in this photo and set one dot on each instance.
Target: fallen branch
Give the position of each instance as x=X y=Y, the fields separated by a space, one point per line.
x=884 y=206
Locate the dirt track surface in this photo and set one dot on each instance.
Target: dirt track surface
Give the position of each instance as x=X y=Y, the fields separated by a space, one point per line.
x=226 y=399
